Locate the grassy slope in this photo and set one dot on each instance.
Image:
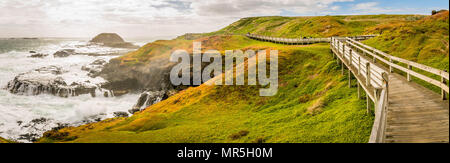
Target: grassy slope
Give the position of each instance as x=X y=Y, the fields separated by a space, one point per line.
x=4 y=141
x=313 y=105
x=425 y=41
x=323 y=26
x=163 y=48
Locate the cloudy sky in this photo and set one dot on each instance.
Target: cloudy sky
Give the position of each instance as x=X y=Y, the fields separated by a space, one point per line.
x=150 y=18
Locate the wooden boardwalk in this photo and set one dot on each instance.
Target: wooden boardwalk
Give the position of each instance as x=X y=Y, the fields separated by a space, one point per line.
x=300 y=41
x=415 y=114
x=405 y=112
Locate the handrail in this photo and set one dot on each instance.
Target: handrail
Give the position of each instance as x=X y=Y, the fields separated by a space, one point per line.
x=301 y=40
x=372 y=75
x=289 y=40
x=379 y=125
x=375 y=77
x=349 y=51
x=409 y=71
x=365 y=68
x=407 y=62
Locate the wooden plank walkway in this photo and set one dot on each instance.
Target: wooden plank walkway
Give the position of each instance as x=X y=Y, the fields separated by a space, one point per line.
x=415 y=114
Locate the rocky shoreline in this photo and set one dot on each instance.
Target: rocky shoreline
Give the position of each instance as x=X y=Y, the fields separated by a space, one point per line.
x=154 y=86
x=48 y=80
x=149 y=98
x=150 y=81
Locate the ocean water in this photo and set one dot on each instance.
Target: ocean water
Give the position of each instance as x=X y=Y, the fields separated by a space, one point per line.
x=25 y=116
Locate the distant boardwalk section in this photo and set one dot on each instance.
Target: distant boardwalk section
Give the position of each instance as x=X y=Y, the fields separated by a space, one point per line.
x=299 y=41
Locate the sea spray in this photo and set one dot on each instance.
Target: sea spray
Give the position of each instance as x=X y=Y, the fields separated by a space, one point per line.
x=26 y=117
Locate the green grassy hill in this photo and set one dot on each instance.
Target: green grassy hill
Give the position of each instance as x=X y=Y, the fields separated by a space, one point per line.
x=293 y=27
x=424 y=41
x=2 y=140
x=313 y=104
x=322 y=26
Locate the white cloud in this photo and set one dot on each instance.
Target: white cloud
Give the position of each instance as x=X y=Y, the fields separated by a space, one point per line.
x=374 y=8
x=132 y=18
x=335 y=8
x=365 y=6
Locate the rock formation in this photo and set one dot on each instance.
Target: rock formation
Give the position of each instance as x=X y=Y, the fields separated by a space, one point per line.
x=64 y=53
x=112 y=40
x=47 y=80
x=149 y=98
x=94 y=68
x=120 y=114
x=38 y=55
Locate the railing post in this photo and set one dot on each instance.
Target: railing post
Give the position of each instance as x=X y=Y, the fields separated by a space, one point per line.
x=359 y=65
x=337 y=45
x=408 y=75
x=368 y=104
x=359 y=90
x=386 y=84
x=350 y=59
x=349 y=78
x=343 y=50
x=443 y=94
x=331 y=46
x=337 y=51
x=376 y=98
x=390 y=67
x=343 y=58
x=367 y=74
x=374 y=58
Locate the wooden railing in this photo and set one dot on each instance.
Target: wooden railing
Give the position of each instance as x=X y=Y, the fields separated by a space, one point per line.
x=379 y=125
x=372 y=77
x=390 y=60
x=296 y=41
x=288 y=40
x=371 y=68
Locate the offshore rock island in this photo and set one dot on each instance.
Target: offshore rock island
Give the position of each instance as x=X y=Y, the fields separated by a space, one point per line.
x=112 y=40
